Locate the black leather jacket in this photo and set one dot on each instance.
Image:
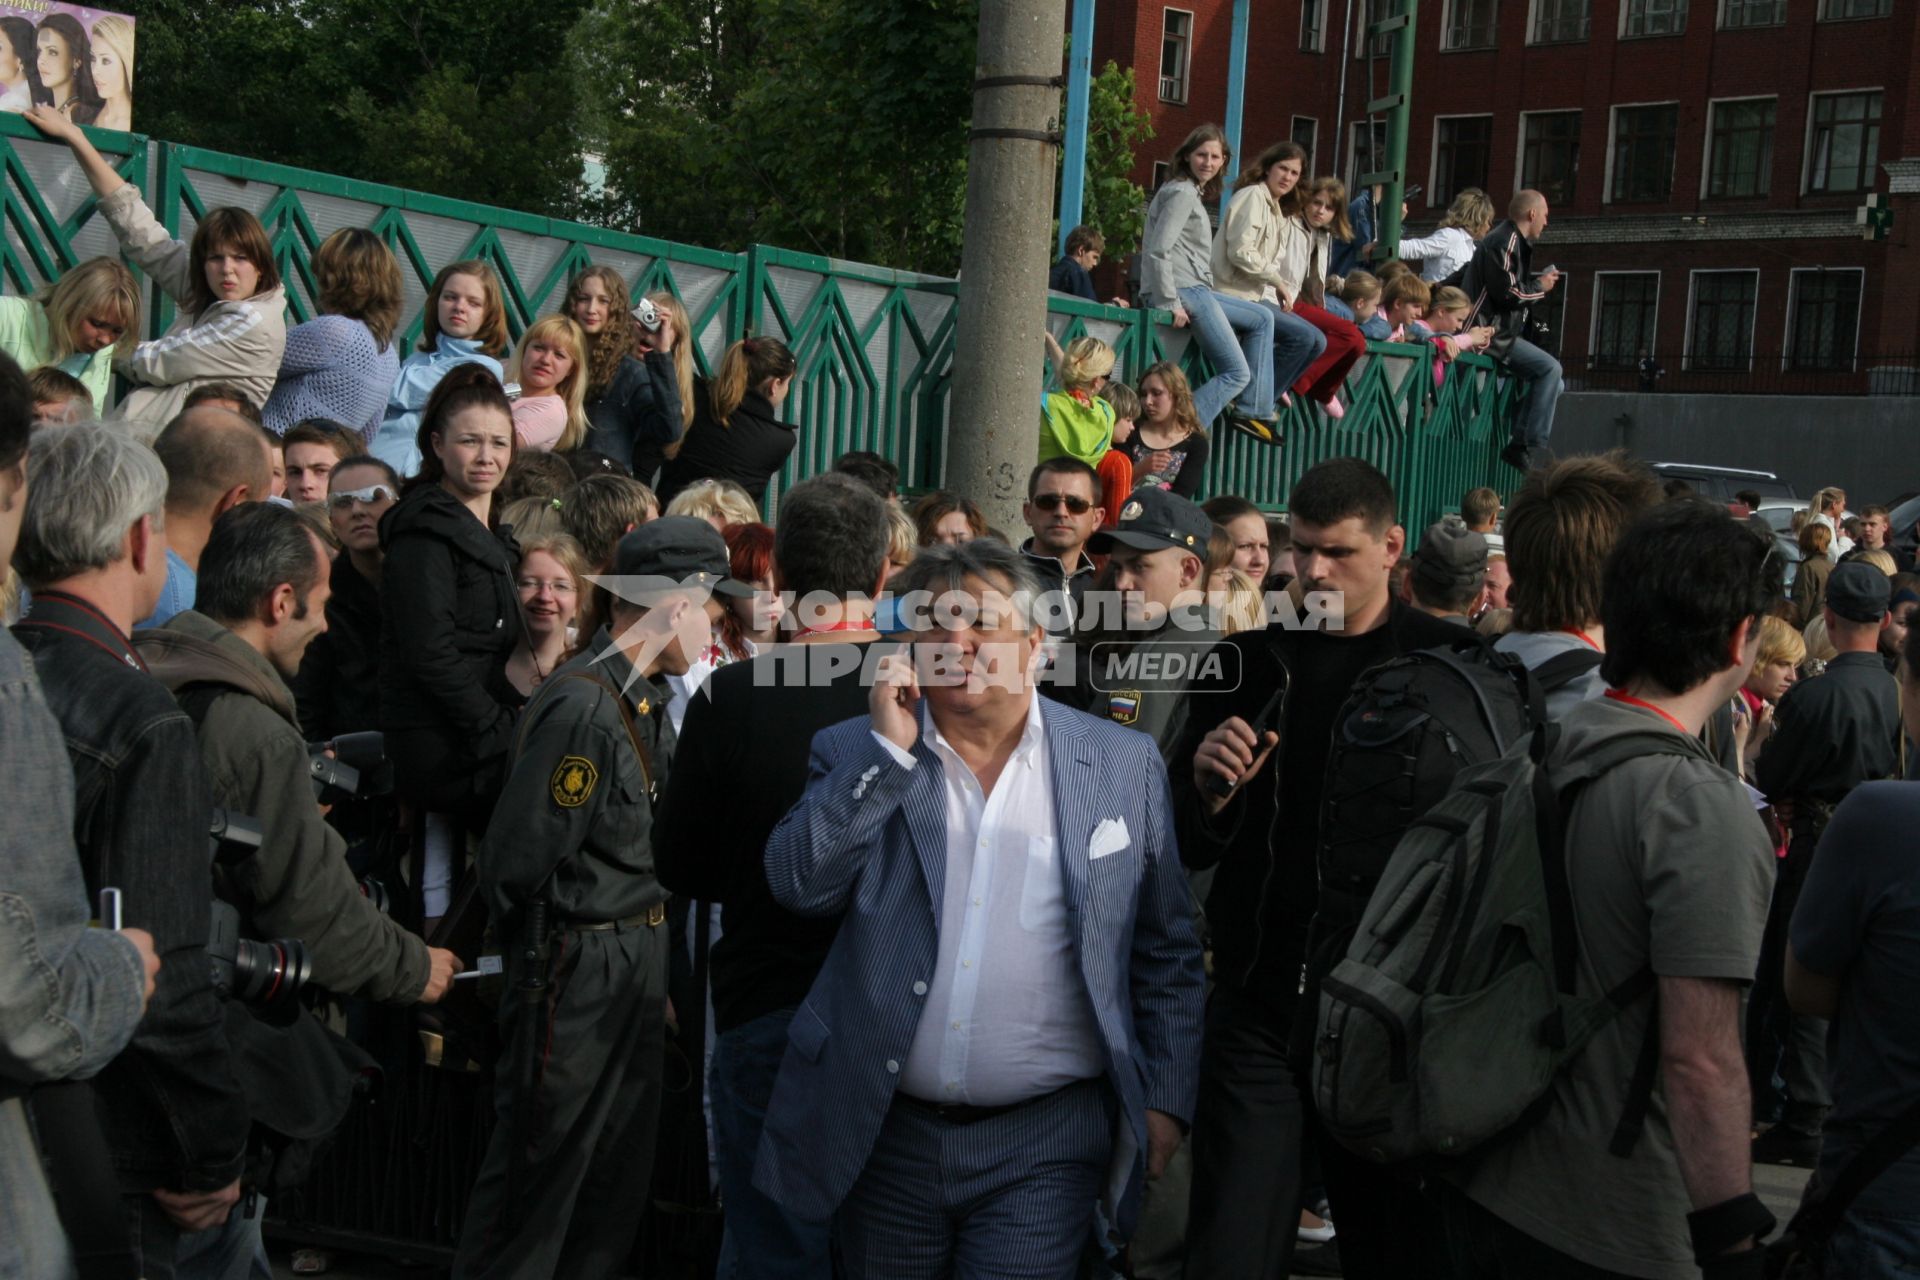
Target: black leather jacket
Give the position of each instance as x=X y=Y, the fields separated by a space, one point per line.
x=171 y=1106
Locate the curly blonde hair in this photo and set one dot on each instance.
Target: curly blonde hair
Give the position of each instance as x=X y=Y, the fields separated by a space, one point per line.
x=614 y=343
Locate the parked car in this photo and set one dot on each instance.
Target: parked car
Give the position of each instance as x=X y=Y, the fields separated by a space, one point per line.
x=1719 y=484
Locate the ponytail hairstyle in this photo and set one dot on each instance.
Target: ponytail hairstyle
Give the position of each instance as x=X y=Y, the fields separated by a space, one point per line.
x=1085 y=359
x=1200 y=137
x=492 y=334
x=1182 y=393
x=97 y=287
x=748 y=365
x=1336 y=191
x=236 y=231
x=676 y=315
x=465 y=386
x=614 y=342
x=563 y=332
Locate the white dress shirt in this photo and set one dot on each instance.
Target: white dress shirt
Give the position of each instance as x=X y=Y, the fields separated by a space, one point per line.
x=1007 y=1015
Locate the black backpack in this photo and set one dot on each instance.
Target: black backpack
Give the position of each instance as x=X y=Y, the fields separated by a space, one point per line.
x=1407 y=729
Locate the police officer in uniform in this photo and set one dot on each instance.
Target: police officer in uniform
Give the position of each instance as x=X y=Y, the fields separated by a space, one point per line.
x=1136 y=674
x=567 y=872
x=1829 y=735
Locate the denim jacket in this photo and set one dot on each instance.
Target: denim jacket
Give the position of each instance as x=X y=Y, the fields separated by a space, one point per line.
x=172 y=1108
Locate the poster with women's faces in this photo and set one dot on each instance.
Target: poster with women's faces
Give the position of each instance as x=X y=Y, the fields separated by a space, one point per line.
x=70 y=57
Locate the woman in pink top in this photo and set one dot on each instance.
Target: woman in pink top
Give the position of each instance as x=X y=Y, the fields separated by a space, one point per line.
x=552 y=370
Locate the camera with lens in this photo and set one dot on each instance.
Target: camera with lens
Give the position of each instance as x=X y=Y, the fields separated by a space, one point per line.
x=267 y=975
x=357 y=767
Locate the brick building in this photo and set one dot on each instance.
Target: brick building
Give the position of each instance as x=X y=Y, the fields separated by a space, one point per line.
x=1705 y=158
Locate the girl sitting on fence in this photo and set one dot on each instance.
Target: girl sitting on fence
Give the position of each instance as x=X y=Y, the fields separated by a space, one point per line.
x=1303 y=268
x=1078 y=421
x=232 y=326
x=79 y=325
x=465 y=323
x=548 y=415
x=341 y=364
x=630 y=397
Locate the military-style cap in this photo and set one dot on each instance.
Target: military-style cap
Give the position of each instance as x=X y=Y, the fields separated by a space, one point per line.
x=681 y=551
x=1450 y=554
x=1858 y=592
x=1154 y=519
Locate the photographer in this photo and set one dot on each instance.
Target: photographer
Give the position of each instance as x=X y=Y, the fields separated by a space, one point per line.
x=262 y=598
x=93 y=551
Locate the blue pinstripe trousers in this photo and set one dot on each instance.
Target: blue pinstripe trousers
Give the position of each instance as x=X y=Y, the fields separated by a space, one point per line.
x=1010 y=1197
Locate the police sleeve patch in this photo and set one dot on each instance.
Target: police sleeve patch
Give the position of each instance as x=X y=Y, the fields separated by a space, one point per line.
x=1123 y=706
x=573 y=781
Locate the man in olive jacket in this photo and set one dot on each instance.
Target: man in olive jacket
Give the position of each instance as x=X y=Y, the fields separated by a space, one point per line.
x=262 y=598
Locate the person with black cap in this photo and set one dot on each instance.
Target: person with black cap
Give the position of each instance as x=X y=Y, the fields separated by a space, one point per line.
x=1448 y=578
x=1830 y=734
x=1152 y=627
x=567 y=871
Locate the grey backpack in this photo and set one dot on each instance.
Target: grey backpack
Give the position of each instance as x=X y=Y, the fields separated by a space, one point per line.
x=1454 y=1008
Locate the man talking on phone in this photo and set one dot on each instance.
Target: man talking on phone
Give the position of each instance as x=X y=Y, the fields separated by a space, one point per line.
x=1250 y=805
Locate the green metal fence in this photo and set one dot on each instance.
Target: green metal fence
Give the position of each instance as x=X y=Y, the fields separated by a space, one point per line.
x=874 y=346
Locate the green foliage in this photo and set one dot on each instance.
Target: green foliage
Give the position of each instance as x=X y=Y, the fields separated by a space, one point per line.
x=1116 y=126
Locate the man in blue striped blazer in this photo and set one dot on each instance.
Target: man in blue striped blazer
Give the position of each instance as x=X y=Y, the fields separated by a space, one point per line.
x=1007 y=1030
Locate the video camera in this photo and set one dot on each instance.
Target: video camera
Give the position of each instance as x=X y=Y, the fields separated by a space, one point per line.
x=357 y=767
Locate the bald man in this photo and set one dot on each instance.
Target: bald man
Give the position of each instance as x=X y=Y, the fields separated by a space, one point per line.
x=215 y=460
x=1504 y=287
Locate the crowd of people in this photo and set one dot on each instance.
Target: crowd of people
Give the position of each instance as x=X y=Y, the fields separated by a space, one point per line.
x=1064 y=938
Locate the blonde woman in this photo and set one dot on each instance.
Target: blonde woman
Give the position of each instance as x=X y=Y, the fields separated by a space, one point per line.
x=341 y=364
x=1239 y=608
x=550 y=414
x=112 y=55
x=80 y=324
x=551 y=582
x=1469 y=219
x=718 y=502
x=674 y=337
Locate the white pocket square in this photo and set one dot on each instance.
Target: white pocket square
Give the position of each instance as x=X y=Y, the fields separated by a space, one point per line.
x=1109 y=837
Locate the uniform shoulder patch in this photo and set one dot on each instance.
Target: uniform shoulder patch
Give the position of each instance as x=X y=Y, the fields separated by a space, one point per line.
x=573 y=781
x=1123 y=706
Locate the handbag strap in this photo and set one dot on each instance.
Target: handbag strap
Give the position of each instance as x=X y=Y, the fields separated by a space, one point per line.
x=626 y=718
x=1822 y=1212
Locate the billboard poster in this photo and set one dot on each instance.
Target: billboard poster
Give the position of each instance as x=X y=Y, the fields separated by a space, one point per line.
x=69 y=56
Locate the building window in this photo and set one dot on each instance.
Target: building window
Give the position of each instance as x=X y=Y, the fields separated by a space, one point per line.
x=1555 y=21
x=1313 y=26
x=1825 y=315
x=1161 y=169
x=1626 y=307
x=1367 y=152
x=1721 y=327
x=1306 y=135
x=1845 y=148
x=1470 y=24
x=1740 y=156
x=1462 y=151
x=1550 y=154
x=1643 y=140
x=1836 y=10
x=1176 y=51
x=1381 y=46
x=1655 y=18
x=1752 y=13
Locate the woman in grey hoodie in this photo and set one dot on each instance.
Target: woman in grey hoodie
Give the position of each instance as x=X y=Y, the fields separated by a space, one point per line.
x=1176 y=273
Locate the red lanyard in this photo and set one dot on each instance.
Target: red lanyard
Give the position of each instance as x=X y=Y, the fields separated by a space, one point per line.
x=1581 y=636
x=1621 y=695
x=849 y=625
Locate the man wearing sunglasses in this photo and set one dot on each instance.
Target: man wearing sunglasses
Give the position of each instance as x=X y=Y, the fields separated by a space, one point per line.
x=1063 y=510
x=338 y=685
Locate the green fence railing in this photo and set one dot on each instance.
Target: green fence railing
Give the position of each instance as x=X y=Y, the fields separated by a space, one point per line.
x=874 y=346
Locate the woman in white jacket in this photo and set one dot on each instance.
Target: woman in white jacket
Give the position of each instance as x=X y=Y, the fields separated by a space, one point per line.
x=1248 y=253
x=1469 y=219
x=232 y=326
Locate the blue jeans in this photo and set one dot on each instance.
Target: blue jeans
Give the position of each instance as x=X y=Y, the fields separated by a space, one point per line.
x=1545 y=382
x=761 y=1239
x=1237 y=336
x=1875 y=1244
x=1296 y=344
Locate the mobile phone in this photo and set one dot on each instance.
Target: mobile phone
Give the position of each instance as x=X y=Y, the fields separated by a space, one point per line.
x=110 y=909
x=1267 y=721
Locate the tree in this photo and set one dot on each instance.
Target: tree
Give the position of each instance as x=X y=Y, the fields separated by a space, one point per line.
x=1116 y=126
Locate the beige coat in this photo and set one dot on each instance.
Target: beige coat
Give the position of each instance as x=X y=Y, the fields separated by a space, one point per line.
x=1249 y=245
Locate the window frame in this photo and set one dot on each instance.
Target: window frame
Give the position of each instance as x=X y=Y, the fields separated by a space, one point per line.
x=1314 y=40
x=1184 y=85
x=1593 y=320
x=1613 y=151
x=1793 y=317
x=1871 y=176
x=1688 y=358
x=1313 y=150
x=1626 y=20
x=1520 y=149
x=1449 y=23
x=1825 y=13
x=1355 y=170
x=1721 y=23
x=1534 y=22
x=1707 y=151
x=1432 y=195
x=1363 y=18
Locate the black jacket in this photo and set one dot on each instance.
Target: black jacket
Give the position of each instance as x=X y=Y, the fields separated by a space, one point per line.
x=638 y=415
x=170 y=1105
x=1263 y=895
x=449 y=618
x=1499 y=278
x=338 y=688
x=747 y=451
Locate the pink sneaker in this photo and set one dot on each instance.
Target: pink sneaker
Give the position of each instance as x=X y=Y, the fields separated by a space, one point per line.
x=1286 y=400
x=1335 y=409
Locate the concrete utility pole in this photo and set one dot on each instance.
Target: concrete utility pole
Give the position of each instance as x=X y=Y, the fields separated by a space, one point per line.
x=993 y=428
